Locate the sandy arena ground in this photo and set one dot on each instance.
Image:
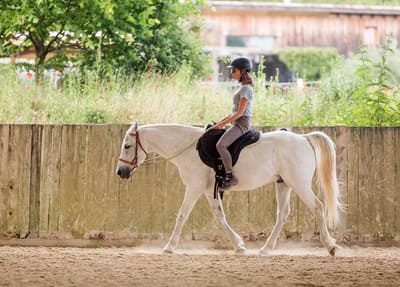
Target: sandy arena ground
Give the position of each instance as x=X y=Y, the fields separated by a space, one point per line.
x=289 y=265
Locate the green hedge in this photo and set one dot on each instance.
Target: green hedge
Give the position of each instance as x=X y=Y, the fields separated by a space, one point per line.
x=309 y=63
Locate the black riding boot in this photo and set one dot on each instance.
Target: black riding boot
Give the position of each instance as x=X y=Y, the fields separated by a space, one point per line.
x=229 y=180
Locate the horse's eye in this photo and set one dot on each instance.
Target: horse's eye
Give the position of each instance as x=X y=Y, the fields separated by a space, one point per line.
x=127 y=146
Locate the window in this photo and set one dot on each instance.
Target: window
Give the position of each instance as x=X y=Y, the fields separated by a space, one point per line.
x=370 y=36
x=261 y=42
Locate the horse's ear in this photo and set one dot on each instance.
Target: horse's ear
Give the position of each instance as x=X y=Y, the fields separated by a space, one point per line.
x=135 y=125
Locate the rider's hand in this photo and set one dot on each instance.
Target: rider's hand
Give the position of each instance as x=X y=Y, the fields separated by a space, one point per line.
x=218 y=126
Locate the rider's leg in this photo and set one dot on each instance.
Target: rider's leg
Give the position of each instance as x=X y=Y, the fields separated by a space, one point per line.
x=232 y=134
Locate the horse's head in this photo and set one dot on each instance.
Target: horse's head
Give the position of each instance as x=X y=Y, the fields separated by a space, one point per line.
x=132 y=153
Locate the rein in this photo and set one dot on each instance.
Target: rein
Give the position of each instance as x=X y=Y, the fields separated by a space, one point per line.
x=134 y=163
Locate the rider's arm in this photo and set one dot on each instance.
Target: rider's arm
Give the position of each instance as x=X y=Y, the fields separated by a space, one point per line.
x=234 y=116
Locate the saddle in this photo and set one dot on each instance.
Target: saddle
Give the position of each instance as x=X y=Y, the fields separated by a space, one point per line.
x=206 y=146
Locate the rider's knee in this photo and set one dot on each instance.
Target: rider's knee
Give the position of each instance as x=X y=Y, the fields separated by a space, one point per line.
x=221 y=146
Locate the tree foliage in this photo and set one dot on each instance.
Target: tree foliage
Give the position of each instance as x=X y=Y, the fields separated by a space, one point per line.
x=125 y=34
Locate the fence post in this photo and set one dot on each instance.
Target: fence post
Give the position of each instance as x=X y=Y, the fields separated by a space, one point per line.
x=34 y=193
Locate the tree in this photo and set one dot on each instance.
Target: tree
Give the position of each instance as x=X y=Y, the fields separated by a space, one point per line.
x=126 y=34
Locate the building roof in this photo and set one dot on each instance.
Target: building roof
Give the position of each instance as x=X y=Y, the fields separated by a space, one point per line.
x=313 y=8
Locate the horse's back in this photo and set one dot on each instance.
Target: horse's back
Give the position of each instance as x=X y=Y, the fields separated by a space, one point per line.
x=275 y=154
x=288 y=145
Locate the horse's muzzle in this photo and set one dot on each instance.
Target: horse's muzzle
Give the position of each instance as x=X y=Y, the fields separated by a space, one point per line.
x=124 y=172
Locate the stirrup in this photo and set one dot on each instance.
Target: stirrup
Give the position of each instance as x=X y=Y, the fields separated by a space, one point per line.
x=228 y=182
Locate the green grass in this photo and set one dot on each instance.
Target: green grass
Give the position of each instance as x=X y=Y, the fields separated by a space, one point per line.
x=363 y=91
x=150 y=98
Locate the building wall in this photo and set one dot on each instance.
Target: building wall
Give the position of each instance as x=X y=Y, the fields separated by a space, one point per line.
x=345 y=31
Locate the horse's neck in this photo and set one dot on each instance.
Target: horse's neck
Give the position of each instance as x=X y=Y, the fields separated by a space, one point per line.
x=168 y=140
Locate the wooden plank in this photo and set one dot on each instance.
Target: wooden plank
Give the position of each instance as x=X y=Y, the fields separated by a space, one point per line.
x=353 y=162
x=128 y=221
x=378 y=184
x=112 y=135
x=4 y=177
x=388 y=176
x=366 y=184
x=19 y=179
x=342 y=140
x=73 y=181
x=397 y=183
x=99 y=166
x=50 y=174
x=34 y=196
x=141 y=185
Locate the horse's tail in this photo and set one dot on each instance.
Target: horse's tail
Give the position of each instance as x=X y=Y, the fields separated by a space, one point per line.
x=325 y=152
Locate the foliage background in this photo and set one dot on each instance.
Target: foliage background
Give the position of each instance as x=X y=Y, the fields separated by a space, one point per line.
x=122 y=77
x=310 y=63
x=360 y=91
x=132 y=36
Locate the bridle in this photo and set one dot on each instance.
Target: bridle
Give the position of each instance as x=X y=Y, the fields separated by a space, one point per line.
x=134 y=161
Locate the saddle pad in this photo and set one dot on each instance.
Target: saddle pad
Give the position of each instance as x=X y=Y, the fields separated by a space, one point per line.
x=208 y=153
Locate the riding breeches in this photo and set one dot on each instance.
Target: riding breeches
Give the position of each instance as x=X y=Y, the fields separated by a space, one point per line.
x=232 y=133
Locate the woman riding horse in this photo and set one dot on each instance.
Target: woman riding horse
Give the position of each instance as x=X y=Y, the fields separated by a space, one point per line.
x=240 y=116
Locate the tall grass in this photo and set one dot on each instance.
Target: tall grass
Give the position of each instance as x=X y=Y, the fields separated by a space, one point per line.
x=116 y=98
x=359 y=91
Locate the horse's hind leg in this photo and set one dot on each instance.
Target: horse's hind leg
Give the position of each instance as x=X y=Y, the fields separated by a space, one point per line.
x=191 y=197
x=283 y=209
x=312 y=201
x=218 y=211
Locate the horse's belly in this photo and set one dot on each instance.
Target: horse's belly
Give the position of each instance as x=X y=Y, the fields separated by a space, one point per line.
x=254 y=171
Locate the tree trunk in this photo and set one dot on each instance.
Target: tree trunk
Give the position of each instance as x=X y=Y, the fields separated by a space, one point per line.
x=40 y=59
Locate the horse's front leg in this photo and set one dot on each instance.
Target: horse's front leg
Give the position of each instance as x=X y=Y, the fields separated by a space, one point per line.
x=191 y=197
x=218 y=210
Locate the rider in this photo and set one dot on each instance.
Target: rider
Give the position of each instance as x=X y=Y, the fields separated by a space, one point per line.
x=240 y=117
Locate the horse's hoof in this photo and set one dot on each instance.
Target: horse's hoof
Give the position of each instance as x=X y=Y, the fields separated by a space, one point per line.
x=332 y=252
x=240 y=250
x=168 y=251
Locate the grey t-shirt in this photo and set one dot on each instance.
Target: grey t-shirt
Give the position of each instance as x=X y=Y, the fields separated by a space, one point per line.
x=245 y=91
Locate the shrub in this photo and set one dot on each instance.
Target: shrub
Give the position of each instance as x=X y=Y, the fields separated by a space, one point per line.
x=365 y=87
x=94 y=117
x=309 y=64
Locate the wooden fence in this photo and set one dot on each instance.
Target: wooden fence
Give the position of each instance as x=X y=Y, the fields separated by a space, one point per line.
x=58 y=181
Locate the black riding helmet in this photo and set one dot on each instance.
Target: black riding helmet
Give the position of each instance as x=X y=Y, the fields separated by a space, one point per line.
x=241 y=63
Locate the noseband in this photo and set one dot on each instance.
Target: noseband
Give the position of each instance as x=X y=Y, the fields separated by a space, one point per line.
x=134 y=161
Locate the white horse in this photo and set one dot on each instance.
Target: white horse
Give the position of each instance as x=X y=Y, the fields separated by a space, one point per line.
x=280 y=154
